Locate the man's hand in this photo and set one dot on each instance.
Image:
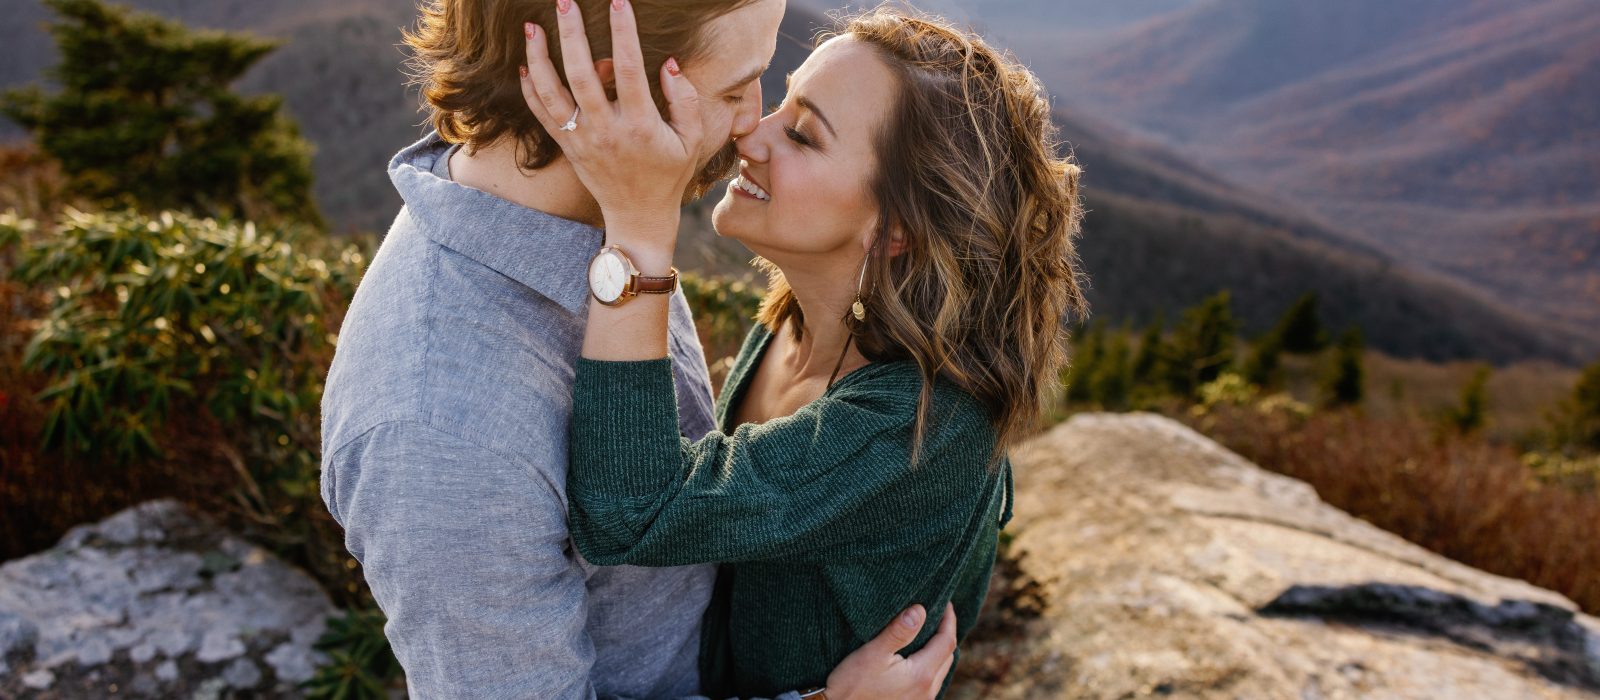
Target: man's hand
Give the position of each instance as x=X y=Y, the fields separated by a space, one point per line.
x=876 y=671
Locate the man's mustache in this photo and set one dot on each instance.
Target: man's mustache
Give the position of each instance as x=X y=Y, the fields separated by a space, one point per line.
x=722 y=166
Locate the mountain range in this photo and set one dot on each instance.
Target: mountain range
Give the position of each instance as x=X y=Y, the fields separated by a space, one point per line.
x=1168 y=223
x=1461 y=137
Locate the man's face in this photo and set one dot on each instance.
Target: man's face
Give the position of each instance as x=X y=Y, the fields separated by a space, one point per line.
x=739 y=44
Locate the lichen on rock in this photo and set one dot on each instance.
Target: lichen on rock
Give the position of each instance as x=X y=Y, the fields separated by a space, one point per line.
x=156 y=601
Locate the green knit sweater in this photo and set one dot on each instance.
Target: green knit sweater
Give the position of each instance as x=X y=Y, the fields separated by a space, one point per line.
x=824 y=530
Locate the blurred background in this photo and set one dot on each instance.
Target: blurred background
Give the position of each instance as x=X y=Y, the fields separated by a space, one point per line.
x=1357 y=243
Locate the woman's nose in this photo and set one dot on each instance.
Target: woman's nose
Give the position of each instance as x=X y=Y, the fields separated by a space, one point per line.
x=756 y=145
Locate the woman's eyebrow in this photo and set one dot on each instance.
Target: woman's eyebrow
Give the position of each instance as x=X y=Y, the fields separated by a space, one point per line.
x=812 y=107
x=807 y=104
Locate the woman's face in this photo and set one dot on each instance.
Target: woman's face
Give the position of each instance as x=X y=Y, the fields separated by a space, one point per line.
x=810 y=163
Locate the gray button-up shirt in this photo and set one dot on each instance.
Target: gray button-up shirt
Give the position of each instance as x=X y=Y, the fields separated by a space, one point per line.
x=444 y=457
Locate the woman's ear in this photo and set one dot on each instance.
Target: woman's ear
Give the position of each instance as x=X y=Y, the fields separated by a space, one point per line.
x=897 y=241
x=894 y=244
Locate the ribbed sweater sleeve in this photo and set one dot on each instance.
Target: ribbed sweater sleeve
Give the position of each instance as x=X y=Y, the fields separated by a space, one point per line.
x=830 y=481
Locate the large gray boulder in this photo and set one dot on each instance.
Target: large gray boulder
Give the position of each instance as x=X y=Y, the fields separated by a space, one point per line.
x=1175 y=568
x=156 y=602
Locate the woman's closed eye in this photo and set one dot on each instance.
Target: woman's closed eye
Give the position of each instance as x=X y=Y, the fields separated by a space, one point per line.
x=796 y=136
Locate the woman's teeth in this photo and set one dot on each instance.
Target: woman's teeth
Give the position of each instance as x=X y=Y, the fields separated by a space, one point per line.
x=751 y=188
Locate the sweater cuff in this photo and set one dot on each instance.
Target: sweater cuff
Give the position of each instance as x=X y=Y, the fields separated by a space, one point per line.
x=625 y=437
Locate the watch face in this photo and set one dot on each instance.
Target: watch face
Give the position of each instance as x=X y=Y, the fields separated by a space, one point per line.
x=608 y=276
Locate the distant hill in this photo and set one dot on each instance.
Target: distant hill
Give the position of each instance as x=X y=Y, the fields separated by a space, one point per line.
x=1163 y=232
x=1458 y=135
x=1008 y=21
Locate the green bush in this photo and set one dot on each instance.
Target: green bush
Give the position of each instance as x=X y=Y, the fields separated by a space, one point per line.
x=174 y=339
x=724 y=310
x=362 y=666
x=146 y=311
x=164 y=331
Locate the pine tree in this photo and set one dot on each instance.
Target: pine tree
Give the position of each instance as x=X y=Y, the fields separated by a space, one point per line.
x=1085 y=355
x=1469 y=415
x=1264 y=367
x=1580 y=414
x=145 y=118
x=1113 y=378
x=1342 y=382
x=1148 y=371
x=1301 y=328
x=1202 y=344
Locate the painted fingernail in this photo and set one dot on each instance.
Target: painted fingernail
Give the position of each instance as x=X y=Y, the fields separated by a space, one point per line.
x=616 y=5
x=672 y=67
x=522 y=71
x=527 y=30
x=563 y=5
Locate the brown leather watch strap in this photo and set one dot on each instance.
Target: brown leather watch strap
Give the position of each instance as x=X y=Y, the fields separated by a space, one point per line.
x=656 y=285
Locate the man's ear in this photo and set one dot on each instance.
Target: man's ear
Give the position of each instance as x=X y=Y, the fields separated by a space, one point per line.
x=607 y=72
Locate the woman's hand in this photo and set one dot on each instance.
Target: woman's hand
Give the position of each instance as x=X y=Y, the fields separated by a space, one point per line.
x=876 y=670
x=635 y=165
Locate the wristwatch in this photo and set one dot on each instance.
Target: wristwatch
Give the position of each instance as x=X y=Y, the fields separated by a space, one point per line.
x=815 y=694
x=614 y=279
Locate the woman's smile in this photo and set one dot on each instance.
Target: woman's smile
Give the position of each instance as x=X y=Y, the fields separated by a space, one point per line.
x=742 y=184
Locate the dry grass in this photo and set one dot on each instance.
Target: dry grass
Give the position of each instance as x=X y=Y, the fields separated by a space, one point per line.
x=31 y=183
x=1519 y=394
x=1462 y=497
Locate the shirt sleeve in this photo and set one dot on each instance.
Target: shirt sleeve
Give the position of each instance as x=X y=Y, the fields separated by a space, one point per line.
x=813 y=486
x=433 y=517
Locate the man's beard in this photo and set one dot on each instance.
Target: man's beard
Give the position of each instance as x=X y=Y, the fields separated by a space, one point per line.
x=722 y=166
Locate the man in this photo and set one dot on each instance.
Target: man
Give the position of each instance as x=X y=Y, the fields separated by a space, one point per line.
x=446 y=411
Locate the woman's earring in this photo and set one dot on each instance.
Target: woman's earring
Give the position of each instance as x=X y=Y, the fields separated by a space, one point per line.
x=858 y=309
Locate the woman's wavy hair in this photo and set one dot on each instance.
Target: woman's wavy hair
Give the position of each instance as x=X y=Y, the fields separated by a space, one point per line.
x=465 y=54
x=969 y=169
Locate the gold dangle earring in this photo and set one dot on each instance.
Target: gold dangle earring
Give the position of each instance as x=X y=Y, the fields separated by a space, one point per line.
x=858 y=309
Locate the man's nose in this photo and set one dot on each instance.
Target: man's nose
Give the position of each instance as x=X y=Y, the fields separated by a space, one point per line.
x=749 y=114
x=754 y=145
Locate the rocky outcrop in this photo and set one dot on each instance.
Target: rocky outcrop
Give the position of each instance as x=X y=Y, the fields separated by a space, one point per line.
x=1174 y=568
x=1171 y=568
x=154 y=602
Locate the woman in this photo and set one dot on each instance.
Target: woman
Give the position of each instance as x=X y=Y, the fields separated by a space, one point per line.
x=917 y=226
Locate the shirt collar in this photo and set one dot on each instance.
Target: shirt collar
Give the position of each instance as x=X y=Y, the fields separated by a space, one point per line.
x=544 y=252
